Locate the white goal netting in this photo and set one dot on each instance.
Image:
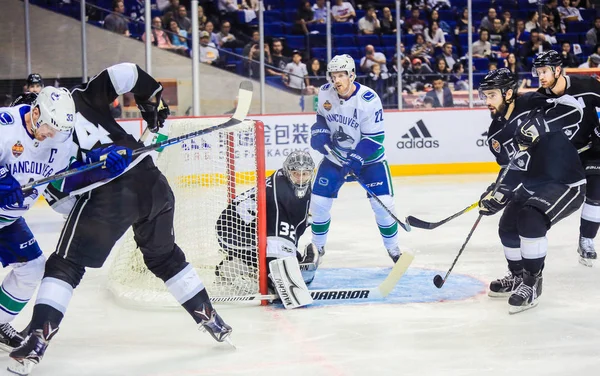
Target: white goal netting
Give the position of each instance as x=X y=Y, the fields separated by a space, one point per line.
x=205 y=173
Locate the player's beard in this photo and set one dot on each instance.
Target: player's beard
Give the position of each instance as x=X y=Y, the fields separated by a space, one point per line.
x=498 y=111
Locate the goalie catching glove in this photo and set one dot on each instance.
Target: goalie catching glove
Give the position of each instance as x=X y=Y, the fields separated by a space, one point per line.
x=490 y=205
x=154 y=112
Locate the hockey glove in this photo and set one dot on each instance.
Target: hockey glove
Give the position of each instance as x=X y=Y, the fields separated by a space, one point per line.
x=528 y=132
x=353 y=164
x=320 y=135
x=490 y=205
x=155 y=113
x=117 y=159
x=10 y=189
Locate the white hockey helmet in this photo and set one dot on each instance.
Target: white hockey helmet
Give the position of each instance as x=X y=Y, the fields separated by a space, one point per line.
x=57 y=109
x=342 y=63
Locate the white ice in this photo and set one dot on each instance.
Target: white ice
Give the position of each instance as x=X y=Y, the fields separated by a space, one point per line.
x=476 y=336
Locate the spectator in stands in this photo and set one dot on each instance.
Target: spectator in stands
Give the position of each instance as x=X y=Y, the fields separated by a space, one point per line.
x=210 y=27
x=320 y=11
x=179 y=39
x=254 y=40
x=421 y=49
x=434 y=36
x=404 y=60
x=159 y=37
x=487 y=22
x=503 y=52
x=202 y=18
x=387 y=22
x=316 y=73
x=377 y=80
x=442 y=69
x=253 y=63
x=369 y=24
x=508 y=23
x=427 y=102
x=547 y=28
x=592 y=62
x=371 y=58
x=249 y=5
x=514 y=65
x=343 y=11
x=277 y=59
x=209 y=54
x=497 y=34
x=415 y=25
x=569 y=60
x=224 y=37
x=182 y=19
x=304 y=17
x=434 y=5
x=458 y=77
x=482 y=47
x=492 y=65
x=531 y=48
x=447 y=54
x=532 y=21
x=521 y=36
x=297 y=79
x=173 y=8
x=441 y=94
x=136 y=11
x=227 y=6
x=551 y=9
x=420 y=74
x=568 y=14
x=591 y=37
x=435 y=17
x=116 y=22
x=462 y=23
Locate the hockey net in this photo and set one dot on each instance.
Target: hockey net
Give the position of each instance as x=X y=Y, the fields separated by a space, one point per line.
x=205 y=173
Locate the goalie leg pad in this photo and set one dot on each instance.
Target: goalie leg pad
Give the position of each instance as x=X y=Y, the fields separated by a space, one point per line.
x=288 y=282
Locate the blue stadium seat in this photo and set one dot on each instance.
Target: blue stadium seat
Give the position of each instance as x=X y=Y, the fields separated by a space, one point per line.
x=360 y=13
x=320 y=27
x=409 y=40
x=571 y=37
x=319 y=53
x=363 y=40
x=389 y=53
x=343 y=41
x=288 y=27
x=341 y=28
x=578 y=27
x=317 y=40
x=295 y=42
x=273 y=16
x=290 y=15
x=481 y=64
x=352 y=51
x=273 y=29
x=388 y=40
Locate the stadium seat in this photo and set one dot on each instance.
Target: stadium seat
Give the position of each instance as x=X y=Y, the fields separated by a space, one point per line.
x=341 y=28
x=273 y=16
x=295 y=42
x=319 y=53
x=363 y=40
x=481 y=65
x=352 y=51
x=273 y=29
x=343 y=41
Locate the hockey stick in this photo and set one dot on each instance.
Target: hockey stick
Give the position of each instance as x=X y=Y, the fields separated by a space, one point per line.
x=438 y=281
x=361 y=294
x=405 y=226
x=419 y=223
x=243 y=107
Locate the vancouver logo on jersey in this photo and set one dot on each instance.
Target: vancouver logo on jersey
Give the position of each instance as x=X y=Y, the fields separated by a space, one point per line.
x=6 y=118
x=17 y=149
x=418 y=137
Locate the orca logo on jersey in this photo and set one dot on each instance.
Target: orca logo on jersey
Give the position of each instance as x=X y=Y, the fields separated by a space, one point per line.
x=327 y=105
x=418 y=137
x=18 y=149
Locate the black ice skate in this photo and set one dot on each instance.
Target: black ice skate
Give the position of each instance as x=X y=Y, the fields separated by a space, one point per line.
x=9 y=337
x=527 y=294
x=31 y=351
x=505 y=286
x=395 y=254
x=213 y=323
x=587 y=252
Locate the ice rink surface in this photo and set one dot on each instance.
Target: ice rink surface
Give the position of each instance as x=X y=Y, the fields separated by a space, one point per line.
x=460 y=331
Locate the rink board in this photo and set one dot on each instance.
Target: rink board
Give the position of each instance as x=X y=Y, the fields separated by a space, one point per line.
x=416 y=142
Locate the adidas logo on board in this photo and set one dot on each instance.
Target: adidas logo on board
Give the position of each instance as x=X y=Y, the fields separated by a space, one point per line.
x=418 y=137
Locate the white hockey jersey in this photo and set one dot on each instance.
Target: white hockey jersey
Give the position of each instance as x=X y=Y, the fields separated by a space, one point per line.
x=352 y=120
x=26 y=158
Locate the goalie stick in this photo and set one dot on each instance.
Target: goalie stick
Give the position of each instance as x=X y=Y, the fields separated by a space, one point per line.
x=405 y=226
x=355 y=294
x=243 y=107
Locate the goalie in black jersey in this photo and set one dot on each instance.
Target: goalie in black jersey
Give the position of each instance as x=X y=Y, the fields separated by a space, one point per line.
x=287 y=201
x=555 y=83
x=545 y=182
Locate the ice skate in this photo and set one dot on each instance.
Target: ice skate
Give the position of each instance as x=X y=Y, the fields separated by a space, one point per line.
x=527 y=294
x=213 y=323
x=505 y=286
x=25 y=357
x=587 y=252
x=395 y=254
x=9 y=337
x=312 y=255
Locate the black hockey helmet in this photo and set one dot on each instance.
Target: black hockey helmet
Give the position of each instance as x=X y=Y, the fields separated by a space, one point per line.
x=548 y=58
x=35 y=78
x=502 y=79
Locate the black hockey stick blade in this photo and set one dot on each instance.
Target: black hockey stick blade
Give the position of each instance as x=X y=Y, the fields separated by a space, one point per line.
x=419 y=223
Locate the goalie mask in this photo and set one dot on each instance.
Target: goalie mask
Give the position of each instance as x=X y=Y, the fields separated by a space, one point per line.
x=299 y=169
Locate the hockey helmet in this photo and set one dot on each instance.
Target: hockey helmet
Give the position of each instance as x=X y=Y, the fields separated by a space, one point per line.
x=342 y=63
x=502 y=79
x=548 y=58
x=57 y=109
x=299 y=168
x=35 y=79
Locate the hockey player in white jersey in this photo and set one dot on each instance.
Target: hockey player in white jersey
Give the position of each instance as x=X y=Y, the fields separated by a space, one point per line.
x=350 y=121
x=35 y=142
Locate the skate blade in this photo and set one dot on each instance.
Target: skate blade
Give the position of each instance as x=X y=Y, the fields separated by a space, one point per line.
x=586 y=262
x=513 y=310
x=496 y=295
x=21 y=368
x=229 y=341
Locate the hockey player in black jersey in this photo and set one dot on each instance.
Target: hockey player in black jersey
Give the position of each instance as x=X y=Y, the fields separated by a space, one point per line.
x=545 y=182
x=548 y=67
x=34 y=85
x=110 y=200
x=287 y=203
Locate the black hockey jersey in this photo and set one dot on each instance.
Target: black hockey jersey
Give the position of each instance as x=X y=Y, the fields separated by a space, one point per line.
x=559 y=115
x=287 y=215
x=586 y=90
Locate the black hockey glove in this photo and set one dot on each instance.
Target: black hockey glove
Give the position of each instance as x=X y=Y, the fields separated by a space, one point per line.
x=490 y=205
x=529 y=131
x=155 y=113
